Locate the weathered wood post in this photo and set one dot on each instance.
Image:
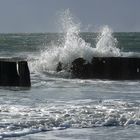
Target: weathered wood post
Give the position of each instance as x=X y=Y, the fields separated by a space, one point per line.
x=24 y=74
x=113 y=68
x=14 y=72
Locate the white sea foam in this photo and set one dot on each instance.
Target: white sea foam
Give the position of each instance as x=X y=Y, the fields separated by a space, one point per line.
x=23 y=120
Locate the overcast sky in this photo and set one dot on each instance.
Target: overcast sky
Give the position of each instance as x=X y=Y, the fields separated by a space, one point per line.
x=41 y=15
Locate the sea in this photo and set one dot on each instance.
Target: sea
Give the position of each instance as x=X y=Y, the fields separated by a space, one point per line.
x=59 y=107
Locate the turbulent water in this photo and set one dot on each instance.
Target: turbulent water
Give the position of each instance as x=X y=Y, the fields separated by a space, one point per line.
x=59 y=107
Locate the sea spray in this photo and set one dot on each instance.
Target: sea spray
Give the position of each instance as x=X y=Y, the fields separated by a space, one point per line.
x=107 y=43
x=73 y=46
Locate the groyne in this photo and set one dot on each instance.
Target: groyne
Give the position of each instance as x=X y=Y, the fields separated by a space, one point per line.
x=14 y=72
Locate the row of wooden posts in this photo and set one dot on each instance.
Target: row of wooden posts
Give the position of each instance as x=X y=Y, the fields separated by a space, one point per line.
x=15 y=71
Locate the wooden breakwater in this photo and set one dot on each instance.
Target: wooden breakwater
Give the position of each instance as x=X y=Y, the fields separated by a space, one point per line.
x=113 y=68
x=14 y=72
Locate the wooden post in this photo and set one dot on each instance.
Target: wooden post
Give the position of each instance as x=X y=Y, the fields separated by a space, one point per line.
x=113 y=68
x=14 y=72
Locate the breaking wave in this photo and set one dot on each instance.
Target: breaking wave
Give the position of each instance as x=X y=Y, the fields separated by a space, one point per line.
x=73 y=46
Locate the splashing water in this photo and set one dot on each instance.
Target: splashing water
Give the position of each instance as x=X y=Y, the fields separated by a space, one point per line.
x=73 y=46
x=106 y=43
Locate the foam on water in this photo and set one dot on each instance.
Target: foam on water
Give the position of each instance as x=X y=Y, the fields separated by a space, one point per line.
x=19 y=120
x=73 y=46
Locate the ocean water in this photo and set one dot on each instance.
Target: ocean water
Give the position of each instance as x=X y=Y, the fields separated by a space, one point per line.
x=59 y=107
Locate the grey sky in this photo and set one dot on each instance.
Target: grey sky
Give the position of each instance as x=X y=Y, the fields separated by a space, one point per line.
x=40 y=15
